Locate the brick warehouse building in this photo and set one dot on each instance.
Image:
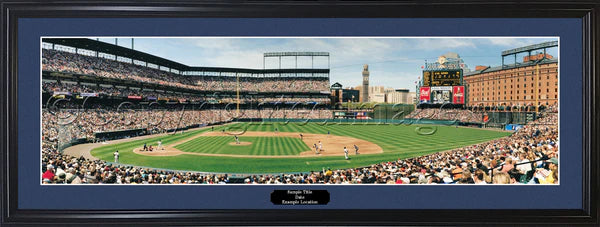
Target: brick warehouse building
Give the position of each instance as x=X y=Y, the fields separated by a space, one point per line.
x=515 y=84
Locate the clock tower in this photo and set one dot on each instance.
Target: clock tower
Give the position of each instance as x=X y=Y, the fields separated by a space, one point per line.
x=364 y=97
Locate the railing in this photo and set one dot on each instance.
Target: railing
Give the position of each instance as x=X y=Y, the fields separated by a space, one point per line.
x=517 y=164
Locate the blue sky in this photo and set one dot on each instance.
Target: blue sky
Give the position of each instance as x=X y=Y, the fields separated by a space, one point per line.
x=393 y=62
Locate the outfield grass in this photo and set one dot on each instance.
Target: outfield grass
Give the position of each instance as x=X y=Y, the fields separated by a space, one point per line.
x=260 y=145
x=397 y=142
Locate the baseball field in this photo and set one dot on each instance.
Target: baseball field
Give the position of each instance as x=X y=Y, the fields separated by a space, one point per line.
x=279 y=148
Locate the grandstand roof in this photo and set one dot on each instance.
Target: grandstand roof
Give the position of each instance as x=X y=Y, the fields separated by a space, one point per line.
x=530 y=48
x=246 y=70
x=108 y=48
x=94 y=45
x=286 y=54
x=511 y=66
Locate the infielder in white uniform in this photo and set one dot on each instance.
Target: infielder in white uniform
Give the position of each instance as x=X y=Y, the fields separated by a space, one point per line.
x=346 y=153
x=116 y=154
x=160 y=145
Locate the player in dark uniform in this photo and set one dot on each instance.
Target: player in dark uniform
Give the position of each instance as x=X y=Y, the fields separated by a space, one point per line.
x=356 y=149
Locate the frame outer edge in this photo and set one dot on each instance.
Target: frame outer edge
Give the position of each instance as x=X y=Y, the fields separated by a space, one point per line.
x=594 y=121
x=8 y=120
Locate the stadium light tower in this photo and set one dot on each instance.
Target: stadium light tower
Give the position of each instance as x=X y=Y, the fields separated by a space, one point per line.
x=279 y=55
x=237 y=76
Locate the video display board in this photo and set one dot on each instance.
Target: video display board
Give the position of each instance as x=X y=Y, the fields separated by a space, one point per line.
x=441 y=95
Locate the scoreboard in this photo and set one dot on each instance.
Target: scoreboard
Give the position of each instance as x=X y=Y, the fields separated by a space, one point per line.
x=442 y=78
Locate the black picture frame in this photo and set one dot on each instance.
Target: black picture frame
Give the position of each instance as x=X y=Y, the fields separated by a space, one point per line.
x=586 y=10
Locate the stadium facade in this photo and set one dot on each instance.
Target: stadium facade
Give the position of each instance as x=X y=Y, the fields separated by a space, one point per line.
x=532 y=82
x=514 y=86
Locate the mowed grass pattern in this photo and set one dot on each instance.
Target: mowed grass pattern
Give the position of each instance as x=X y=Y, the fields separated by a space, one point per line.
x=392 y=138
x=397 y=141
x=260 y=145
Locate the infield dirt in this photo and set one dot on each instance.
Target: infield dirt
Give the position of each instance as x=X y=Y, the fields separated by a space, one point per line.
x=332 y=145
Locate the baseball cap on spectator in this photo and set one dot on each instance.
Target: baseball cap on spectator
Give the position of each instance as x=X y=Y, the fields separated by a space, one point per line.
x=553 y=161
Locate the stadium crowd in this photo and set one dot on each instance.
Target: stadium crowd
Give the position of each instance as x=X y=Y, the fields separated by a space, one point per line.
x=552 y=108
x=109 y=90
x=59 y=61
x=528 y=156
x=84 y=123
x=462 y=115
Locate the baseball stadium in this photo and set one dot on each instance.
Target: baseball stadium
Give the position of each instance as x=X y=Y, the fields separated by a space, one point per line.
x=116 y=115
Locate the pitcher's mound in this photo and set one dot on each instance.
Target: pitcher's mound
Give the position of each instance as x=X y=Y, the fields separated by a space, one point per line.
x=240 y=144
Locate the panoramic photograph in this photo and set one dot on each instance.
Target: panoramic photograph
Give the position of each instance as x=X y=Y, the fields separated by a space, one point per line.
x=299 y=110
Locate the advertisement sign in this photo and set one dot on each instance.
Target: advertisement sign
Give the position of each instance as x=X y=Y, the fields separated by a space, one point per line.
x=134 y=97
x=89 y=94
x=426 y=78
x=441 y=88
x=513 y=127
x=424 y=94
x=458 y=94
x=57 y=93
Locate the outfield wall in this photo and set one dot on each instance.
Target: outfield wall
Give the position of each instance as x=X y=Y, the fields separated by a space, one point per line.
x=358 y=121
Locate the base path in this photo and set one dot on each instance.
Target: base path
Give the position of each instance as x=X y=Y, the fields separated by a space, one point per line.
x=240 y=144
x=332 y=145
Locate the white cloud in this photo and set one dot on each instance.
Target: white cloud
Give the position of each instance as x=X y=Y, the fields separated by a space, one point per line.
x=214 y=43
x=233 y=59
x=515 y=42
x=508 y=42
x=393 y=62
x=440 y=44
